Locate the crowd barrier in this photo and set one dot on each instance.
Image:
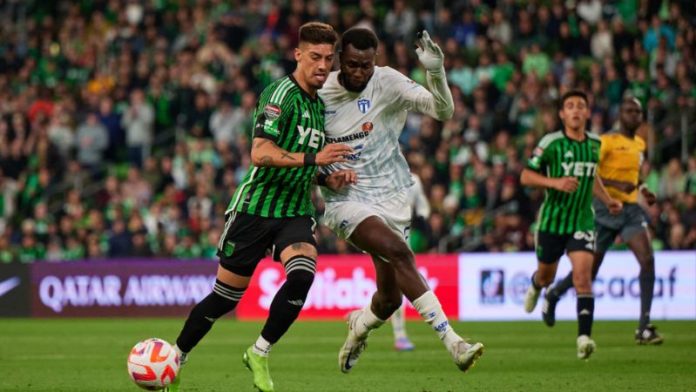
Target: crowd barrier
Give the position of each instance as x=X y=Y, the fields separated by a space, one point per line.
x=471 y=286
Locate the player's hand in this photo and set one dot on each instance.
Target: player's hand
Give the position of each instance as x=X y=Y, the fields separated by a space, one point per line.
x=341 y=178
x=566 y=184
x=614 y=206
x=333 y=153
x=650 y=197
x=429 y=53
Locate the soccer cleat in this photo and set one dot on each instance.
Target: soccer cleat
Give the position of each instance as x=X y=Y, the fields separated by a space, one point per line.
x=403 y=344
x=531 y=298
x=258 y=365
x=586 y=346
x=175 y=385
x=648 y=335
x=465 y=355
x=548 y=308
x=353 y=346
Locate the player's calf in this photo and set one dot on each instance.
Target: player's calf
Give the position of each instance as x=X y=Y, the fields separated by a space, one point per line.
x=221 y=301
x=288 y=301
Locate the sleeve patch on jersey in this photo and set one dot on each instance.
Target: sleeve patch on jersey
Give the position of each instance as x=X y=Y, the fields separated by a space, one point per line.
x=271 y=112
x=270 y=128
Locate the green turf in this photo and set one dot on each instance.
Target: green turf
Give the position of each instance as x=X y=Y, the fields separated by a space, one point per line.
x=90 y=355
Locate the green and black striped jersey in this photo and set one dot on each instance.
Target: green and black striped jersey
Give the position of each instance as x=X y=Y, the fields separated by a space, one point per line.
x=555 y=156
x=288 y=116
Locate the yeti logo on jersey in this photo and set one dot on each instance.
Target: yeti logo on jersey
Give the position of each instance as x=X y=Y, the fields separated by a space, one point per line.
x=363 y=105
x=579 y=169
x=316 y=137
x=568 y=155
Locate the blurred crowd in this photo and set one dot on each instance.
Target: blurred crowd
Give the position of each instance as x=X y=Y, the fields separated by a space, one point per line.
x=124 y=124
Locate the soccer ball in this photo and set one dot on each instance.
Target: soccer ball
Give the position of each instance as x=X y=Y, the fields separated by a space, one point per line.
x=153 y=364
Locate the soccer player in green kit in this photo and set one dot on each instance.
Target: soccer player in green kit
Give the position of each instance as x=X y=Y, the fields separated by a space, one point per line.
x=272 y=208
x=565 y=164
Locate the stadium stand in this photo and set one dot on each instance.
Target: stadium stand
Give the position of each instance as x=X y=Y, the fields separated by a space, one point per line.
x=123 y=128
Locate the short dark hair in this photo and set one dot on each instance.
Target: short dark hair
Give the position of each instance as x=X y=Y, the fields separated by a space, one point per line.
x=570 y=94
x=318 y=33
x=360 y=37
x=632 y=100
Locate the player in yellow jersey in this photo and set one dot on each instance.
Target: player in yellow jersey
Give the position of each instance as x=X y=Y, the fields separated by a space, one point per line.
x=620 y=158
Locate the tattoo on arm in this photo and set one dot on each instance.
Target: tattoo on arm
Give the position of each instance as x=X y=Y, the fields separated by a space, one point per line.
x=286 y=155
x=266 y=160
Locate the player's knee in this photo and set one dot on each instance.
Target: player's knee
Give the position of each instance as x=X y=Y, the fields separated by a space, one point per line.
x=303 y=249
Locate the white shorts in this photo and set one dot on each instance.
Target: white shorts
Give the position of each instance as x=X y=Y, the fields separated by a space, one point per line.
x=344 y=216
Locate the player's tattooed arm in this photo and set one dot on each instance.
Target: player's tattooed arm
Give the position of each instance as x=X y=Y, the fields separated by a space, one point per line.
x=265 y=153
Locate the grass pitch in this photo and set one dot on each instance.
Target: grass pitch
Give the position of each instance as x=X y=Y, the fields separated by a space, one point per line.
x=90 y=355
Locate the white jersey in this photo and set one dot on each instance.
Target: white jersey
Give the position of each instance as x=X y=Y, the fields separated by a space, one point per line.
x=370 y=122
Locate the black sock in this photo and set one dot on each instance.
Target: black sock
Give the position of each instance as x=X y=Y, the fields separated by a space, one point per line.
x=560 y=288
x=585 y=308
x=221 y=301
x=647 y=288
x=288 y=301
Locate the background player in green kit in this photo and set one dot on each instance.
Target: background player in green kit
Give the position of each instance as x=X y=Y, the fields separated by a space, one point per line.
x=565 y=164
x=271 y=209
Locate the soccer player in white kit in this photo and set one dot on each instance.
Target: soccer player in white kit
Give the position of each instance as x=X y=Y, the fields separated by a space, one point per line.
x=366 y=108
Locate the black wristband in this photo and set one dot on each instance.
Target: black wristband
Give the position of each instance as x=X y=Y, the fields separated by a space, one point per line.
x=321 y=179
x=310 y=159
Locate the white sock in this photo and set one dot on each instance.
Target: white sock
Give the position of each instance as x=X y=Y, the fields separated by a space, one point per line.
x=262 y=347
x=366 y=322
x=430 y=309
x=398 y=322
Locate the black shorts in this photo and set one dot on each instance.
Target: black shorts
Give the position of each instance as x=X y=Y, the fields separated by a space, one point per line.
x=550 y=247
x=247 y=239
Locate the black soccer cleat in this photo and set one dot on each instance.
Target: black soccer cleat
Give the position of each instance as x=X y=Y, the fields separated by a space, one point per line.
x=648 y=335
x=548 y=308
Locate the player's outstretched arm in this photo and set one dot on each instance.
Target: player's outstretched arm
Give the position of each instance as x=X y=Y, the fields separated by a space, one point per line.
x=265 y=153
x=439 y=104
x=600 y=192
x=564 y=184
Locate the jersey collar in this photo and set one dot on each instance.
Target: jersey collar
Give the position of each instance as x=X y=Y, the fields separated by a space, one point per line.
x=306 y=94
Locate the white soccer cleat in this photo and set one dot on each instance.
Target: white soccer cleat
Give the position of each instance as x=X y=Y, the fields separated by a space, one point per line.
x=586 y=346
x=465 y=355
x=353 y=346
x=531 y=298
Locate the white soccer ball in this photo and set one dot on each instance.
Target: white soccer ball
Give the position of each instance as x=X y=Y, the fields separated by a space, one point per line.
x=153 y=364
